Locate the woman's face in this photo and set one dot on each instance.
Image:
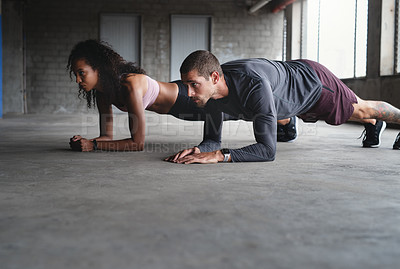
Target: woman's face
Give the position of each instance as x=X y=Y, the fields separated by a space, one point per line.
x=86 y=76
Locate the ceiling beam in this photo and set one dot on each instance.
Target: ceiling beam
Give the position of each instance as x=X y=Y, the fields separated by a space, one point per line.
x=258 y=5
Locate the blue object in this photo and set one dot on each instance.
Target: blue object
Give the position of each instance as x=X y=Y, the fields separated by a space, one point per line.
x=1 y=70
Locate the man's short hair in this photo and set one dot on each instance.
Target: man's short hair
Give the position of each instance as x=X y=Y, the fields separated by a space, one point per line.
x=203 y=61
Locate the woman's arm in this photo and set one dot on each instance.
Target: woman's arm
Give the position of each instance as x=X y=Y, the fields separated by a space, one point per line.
x=105 y=119
x=79 y=143
x=136 y=86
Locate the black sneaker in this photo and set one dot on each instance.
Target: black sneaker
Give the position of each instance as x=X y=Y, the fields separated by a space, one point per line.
x=396 y=144
x=288 y=132
x=373 y=133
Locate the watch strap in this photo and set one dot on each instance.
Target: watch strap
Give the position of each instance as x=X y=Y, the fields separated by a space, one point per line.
x=227 y=154
x=95 y=144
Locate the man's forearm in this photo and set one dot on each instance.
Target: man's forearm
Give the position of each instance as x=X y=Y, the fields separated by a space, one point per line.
x=254 y=153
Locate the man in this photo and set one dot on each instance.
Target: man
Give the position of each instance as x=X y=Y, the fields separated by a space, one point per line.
x=266 y=91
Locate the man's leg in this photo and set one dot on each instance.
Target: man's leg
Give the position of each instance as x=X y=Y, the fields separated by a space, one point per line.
x=284 y=121
x=339 y=104
x=380 y=112
x=372 y=132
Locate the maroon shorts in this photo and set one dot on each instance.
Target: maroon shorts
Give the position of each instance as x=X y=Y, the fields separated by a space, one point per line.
x=335 y=105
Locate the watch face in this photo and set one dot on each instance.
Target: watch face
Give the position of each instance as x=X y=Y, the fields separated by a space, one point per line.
x=225 y=151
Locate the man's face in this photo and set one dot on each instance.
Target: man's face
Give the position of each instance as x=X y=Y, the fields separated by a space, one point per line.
x=200 y=90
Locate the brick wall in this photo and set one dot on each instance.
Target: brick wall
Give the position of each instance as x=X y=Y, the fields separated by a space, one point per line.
x=13 y=96
x=53 y=27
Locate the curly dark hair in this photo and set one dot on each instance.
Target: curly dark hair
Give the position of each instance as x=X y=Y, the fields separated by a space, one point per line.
x=111 y=67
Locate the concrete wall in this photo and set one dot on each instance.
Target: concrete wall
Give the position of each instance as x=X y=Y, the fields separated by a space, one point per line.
x=53 y=27
x=13 y=86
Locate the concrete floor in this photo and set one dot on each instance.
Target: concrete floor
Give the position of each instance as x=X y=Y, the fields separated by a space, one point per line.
x=325 y=202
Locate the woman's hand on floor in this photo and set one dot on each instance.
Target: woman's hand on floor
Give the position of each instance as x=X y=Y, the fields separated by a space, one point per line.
x=78 y=143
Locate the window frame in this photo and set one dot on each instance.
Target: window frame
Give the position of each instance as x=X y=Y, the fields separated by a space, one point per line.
x=295 y=36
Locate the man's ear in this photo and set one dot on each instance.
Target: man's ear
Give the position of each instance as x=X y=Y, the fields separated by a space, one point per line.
x=215 y=77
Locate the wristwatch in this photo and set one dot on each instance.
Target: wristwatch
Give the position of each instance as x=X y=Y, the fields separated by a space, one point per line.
x=95 y=144
x=227 y=154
